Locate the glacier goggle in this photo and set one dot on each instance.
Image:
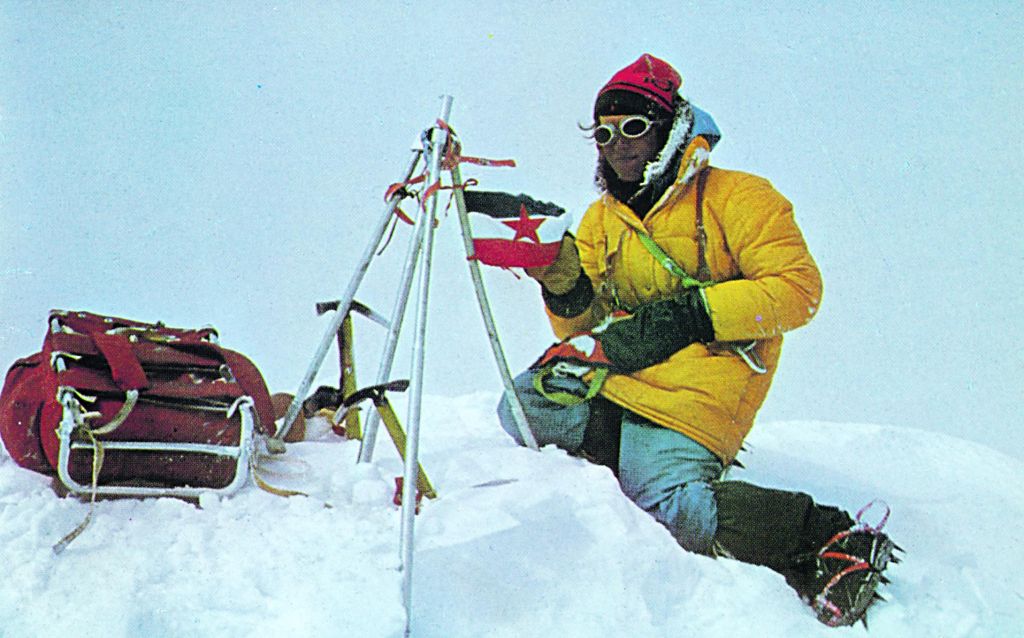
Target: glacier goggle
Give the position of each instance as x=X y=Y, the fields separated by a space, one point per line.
x=630 y=127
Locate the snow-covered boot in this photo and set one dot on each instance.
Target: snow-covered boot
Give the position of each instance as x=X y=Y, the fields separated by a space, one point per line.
x=849 y=571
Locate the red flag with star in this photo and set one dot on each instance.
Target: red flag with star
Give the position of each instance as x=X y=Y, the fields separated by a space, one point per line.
x=514 y=230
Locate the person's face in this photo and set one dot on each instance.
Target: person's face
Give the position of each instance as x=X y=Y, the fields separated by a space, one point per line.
x=628 y=156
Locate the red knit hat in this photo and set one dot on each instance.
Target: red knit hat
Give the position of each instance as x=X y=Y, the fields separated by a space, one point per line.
x=650 y=77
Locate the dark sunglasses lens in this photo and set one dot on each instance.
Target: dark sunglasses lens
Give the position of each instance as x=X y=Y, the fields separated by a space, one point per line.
x=633 y=127
x=603 y=135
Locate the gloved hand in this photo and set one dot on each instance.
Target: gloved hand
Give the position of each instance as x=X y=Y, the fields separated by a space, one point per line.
x=582 y=349
x=656 y=330
x=560 y=276
x=577 y=356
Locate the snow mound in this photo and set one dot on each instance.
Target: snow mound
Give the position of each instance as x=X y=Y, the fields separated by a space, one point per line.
x=517 y=544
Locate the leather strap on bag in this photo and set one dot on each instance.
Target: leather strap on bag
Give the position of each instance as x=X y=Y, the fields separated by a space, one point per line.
x=125 y=369
x=703 y=271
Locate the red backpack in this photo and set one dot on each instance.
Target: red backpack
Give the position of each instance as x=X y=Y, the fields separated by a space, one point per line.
x=116 y=405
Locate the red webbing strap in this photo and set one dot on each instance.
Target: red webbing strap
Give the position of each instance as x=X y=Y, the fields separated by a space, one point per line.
x=452 y=157
x=483 y=161
x=125 y=369
x=429 y=191
x=453 y=154
x=398 y=187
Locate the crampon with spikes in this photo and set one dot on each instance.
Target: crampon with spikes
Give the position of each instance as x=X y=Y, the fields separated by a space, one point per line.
x=849 y=571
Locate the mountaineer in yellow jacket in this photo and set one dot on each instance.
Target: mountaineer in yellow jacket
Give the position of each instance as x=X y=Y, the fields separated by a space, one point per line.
x=671 y=302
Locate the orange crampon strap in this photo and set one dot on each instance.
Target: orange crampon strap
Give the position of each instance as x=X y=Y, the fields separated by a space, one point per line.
x=856 y=563
x=452 y=158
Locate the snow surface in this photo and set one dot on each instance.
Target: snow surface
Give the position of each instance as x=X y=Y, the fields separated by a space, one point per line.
x=518 y=544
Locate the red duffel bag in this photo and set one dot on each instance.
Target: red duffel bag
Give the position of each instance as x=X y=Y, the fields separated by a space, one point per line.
x=123 y=407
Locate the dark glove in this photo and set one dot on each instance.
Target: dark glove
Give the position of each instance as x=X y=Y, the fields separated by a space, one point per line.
x=657 y=330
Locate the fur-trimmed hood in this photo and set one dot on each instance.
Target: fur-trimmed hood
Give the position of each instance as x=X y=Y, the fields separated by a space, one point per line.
x=688 y=123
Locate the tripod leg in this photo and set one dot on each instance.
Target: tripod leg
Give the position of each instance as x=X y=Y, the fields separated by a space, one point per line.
x=485 y=310
x=410 y=477
x=276 y=444
x=394 y=428
x=369 y=440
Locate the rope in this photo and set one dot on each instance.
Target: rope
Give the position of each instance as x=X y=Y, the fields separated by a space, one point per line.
x=259 y=469
x=131 y=397
x=276 y=491
x=668 y=263
x=568 y=399
x=97 y=463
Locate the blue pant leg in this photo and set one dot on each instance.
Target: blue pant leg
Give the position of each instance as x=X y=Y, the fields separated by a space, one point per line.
x=550 y=422
x=669 y=475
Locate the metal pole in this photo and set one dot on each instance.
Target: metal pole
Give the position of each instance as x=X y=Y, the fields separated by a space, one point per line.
x=439 y=139
x=276 y=444
x=369 y=441
x=485 y=310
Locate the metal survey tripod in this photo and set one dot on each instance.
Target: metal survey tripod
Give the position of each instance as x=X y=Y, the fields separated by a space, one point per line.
x=436 y=150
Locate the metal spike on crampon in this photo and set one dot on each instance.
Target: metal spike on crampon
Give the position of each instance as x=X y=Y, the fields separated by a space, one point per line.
x=851 y=567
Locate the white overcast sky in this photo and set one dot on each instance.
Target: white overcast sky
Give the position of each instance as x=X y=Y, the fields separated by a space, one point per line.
x=222 y=163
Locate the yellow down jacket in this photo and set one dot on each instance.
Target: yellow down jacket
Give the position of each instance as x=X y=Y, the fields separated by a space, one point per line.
x=766 y=283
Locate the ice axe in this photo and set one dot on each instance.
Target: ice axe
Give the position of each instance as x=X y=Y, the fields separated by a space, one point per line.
x=378 y=395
